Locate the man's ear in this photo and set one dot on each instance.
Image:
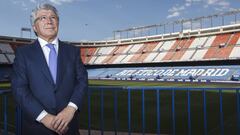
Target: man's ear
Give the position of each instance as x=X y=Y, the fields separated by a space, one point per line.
x=34 y=28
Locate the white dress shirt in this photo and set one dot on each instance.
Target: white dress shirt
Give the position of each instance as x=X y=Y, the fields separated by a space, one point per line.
x=46 y=51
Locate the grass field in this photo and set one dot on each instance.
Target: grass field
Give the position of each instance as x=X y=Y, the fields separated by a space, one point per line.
x=4 y=85
x=162 y=84
x=229 y=108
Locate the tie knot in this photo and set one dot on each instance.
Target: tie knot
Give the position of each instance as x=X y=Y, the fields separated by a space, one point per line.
x=51 y=46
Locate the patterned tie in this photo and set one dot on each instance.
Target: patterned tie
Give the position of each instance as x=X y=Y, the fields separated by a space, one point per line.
x=52 y=61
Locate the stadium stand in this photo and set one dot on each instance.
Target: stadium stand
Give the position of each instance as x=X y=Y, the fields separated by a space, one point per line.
x=6 y=53
x=207 y=44
x=3 y=59
x=177 y=51
x=6 y=48
x=212 y=45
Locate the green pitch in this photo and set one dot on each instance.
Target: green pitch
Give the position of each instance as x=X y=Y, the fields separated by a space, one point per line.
x=161 y=84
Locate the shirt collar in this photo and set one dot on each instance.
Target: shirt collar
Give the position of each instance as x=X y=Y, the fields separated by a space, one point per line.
x=43 y=42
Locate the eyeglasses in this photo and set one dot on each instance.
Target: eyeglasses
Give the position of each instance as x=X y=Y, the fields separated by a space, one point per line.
x=44 y=18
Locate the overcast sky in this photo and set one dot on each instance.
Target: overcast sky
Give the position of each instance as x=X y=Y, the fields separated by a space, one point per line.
x=82 y=20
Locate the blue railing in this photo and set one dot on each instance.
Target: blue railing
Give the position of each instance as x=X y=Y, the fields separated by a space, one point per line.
x=159 y=109
x=219 y=91
x=4 y=94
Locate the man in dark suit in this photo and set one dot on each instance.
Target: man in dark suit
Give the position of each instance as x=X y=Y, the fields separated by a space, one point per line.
x=49 y=79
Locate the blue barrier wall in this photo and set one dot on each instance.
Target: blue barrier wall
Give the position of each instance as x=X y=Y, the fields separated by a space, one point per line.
x=204 y=73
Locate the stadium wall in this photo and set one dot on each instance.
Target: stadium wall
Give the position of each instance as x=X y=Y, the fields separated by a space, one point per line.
x=173 y=74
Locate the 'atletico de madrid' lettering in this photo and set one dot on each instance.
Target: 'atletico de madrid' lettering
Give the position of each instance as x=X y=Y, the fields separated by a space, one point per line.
x=176 y=72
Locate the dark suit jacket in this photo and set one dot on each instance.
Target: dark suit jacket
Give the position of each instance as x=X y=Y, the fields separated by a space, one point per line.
x=34 y=89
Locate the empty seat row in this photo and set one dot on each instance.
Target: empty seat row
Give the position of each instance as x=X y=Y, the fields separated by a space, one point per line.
x=222 y=46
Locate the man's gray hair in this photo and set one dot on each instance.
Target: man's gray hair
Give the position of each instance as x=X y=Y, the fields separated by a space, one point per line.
x=44 y=6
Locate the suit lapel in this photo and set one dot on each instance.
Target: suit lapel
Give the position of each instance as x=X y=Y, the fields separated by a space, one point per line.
x=42 y=60
x=61 y=61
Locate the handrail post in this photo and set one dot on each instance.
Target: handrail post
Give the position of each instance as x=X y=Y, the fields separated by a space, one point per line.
x=189 y=111
x=158 y=112
x=5 y=102
x=238 y=111
x=173 y=112
x=221 y=112
x=143 y=112
x=89 y=111
x=129 y=111
x=102 y=112
x=204 y=111
x=115 y=112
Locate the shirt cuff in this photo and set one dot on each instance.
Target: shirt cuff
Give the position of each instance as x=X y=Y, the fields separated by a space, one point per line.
x=41 y=115
x=73 y=105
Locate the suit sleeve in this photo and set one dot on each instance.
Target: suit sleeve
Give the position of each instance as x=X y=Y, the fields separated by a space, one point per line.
x=81 y=83
x=20 y=87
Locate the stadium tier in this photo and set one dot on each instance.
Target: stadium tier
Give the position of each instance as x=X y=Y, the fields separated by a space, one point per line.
x=187 y=48
x=6 y=53
x=211 y=44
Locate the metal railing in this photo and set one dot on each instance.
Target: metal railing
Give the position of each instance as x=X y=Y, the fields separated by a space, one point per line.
x=158 y=99
x=173 y=90
x=4 y=114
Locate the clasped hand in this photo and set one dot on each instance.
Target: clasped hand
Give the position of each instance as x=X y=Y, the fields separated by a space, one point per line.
x=59 y=123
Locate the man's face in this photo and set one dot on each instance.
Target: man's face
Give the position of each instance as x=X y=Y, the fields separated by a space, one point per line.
x=46 y=25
